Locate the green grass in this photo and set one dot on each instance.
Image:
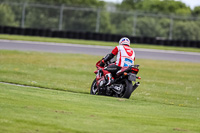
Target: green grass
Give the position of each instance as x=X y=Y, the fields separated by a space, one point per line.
x=38 y=110
x=88 y=42
x=167 y=100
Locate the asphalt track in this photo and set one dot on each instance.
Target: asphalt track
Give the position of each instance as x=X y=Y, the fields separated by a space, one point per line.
x=97 y=50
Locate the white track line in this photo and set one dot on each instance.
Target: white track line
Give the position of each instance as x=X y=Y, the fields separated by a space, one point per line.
x=14 y=84
x=21 y=85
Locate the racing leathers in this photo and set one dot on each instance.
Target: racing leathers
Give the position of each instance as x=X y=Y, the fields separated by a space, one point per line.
x=125 y=57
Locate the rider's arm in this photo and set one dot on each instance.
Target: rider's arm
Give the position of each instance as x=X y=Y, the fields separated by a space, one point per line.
x=106 y=58
x=109 y=56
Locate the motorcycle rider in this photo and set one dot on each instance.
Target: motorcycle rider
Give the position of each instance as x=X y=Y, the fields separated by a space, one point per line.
x=125 y=57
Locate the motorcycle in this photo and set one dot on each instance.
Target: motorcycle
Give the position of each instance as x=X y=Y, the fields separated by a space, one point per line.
x=122 y=86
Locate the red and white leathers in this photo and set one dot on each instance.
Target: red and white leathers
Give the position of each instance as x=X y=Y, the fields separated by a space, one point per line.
x=125 y=55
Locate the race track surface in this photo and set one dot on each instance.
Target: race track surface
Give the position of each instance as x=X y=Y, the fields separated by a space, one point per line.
x=97 y=50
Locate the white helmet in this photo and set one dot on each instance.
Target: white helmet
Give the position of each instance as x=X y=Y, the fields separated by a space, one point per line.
x=124 y=41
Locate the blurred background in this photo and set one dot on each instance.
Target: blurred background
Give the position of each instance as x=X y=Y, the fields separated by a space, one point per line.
x=166 y=19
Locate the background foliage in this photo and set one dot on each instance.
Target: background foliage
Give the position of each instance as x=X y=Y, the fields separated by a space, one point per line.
x=131 y=17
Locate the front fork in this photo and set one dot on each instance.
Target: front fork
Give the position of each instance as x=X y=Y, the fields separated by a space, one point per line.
x=99 y=78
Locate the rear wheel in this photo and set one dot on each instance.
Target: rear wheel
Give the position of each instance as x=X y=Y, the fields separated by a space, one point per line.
x=128 y=89
x=94 y=89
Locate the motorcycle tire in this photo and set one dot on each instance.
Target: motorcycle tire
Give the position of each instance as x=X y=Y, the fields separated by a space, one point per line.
x=128 y=90
x=94 y=90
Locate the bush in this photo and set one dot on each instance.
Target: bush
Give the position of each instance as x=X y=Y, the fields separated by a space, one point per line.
x=188 y=30
x=7 y=17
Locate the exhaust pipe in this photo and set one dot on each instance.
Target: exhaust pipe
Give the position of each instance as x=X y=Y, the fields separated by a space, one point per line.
x=136 y=85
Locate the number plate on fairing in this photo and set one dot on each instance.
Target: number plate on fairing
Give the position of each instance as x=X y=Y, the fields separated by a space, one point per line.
x=132 y=77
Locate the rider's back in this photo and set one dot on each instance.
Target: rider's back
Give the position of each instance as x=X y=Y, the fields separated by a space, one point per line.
x=125 y=55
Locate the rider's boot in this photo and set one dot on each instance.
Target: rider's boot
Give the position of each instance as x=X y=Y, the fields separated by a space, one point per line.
x=109 y=79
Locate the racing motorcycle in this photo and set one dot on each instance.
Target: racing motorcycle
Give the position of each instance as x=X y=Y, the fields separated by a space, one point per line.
x=121 y=87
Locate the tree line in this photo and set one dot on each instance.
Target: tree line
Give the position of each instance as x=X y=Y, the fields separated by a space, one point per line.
x=150 y=18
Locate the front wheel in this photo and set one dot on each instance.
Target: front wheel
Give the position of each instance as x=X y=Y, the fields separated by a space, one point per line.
x=94 y=89
x=128 y=89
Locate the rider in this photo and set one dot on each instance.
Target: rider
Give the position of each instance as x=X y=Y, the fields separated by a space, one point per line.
x=125 y=57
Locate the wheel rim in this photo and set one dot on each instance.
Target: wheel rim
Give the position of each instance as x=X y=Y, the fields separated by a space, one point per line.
x=124 y=89
x=94 y=88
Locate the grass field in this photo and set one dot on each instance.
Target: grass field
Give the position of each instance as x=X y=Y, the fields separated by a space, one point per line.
x=167 y=100
x=90 y=42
